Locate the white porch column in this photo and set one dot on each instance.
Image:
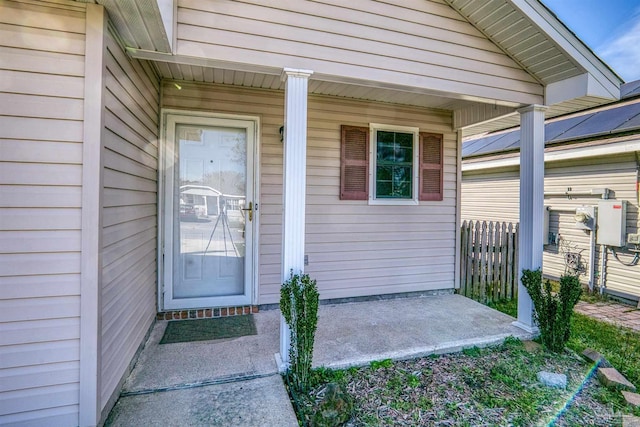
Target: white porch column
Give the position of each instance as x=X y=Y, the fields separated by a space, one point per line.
x=531 y=205
x=294 y=180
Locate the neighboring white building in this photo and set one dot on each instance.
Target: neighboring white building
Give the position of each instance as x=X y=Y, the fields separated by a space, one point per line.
x=341 y=126
x=589 y=156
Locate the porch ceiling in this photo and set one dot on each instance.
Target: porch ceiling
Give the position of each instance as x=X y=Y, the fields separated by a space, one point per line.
x=196 y=73
x=573 y=77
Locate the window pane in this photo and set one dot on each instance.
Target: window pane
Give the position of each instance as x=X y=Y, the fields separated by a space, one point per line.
x=384 y=173
x=387 y=137
x=404 y=139
x=394 y=168
x=383 y=189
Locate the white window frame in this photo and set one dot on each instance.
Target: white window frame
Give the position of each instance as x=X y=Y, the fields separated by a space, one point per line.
x=373 y=151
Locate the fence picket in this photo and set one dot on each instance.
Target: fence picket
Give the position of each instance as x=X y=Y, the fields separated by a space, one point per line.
x=469 y=263
x=489 y=256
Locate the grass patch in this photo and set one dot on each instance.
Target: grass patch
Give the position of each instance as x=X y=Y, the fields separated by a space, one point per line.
x=490 y=386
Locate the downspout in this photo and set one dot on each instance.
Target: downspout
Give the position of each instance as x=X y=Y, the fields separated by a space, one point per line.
x=592 y=259
x=603 y=268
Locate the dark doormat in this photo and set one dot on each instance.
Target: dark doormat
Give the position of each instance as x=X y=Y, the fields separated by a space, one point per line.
x=208 y=329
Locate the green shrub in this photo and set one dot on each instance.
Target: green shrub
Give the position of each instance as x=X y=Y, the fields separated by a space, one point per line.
x=552 y=311
x=299 y=305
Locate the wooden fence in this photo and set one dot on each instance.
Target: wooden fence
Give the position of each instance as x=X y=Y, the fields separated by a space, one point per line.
x=489 y=260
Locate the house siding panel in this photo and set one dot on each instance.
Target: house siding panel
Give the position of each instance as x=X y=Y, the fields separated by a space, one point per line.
x=129 y=235
x=354 y=249
x=40 y=186
x=494 y=195
x=423 y=44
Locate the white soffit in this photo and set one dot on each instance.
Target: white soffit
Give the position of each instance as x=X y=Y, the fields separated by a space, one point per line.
x=143 y=24
x=534 y=37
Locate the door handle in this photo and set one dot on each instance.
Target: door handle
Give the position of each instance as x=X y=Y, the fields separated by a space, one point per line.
x=250 y=209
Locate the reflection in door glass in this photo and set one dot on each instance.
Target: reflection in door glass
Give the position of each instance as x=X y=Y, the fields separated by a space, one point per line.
x=209 y=223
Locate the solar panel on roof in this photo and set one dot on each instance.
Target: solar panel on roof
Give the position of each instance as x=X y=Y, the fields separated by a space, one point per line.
x=503 y=142
x=611 y=120
x=602 y=121
x=633 y=122
x=630 y=89
x=477 y=146
x=556 y=130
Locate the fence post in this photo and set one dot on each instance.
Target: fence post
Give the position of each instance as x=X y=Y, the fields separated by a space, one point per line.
x=469 y=262
x=463 y=258
x=516 y=259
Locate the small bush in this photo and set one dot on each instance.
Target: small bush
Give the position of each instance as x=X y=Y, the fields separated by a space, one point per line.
x=552 y=311
x=299 y=305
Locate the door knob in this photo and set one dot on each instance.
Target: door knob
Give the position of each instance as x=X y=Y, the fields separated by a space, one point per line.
x=250 y=209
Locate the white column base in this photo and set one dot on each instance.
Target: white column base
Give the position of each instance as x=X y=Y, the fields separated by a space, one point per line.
x=533 y=330
x=281 y=364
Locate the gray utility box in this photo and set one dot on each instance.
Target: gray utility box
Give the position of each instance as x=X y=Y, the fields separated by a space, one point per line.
x=612 y=222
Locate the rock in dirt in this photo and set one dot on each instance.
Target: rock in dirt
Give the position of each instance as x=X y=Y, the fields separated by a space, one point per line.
x=596 y=357
x=630 y=421
x=610 y=377
x=632 y=399
x=552 y=380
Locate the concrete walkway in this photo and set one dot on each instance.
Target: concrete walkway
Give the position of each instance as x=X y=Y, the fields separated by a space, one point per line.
x=611 y=312
x=235 y=381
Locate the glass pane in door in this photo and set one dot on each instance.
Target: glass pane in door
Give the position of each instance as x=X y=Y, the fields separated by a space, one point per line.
x=209 y=223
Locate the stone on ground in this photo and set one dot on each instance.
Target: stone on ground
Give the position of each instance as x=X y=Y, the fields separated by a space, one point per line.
x=552 y=380
x=631 y=398
x=630 y=421
x=610 y=377
x=596 y=357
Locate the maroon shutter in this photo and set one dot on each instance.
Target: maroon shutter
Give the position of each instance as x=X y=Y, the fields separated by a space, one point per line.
x=431 y=166
x=354 y=163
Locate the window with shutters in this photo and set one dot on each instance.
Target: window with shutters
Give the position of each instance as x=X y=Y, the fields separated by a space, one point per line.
x=391 y=165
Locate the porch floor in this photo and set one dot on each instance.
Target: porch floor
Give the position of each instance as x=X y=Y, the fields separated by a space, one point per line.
x=235 y=381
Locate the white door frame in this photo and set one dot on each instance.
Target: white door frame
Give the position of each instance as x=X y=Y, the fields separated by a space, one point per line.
x=171 y=117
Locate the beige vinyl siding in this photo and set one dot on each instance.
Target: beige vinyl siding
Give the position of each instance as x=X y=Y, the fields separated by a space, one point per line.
x=129 y=217
x=493 y=194
x=420 y=43
x=354 y=249
x=357 y=249
x=41 y=129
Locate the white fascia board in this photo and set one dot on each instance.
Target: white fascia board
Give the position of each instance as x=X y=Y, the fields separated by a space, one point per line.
x=571 y=45
x=571 y=153
x=584 y=85
x=168 y=13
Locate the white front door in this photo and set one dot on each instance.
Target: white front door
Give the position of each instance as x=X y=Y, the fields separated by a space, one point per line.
x=209 y=211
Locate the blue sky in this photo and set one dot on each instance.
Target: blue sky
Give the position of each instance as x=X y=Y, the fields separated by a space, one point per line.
x=611 y=28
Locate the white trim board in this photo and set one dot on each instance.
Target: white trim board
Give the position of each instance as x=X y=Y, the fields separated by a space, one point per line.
x=91 y=259
x=570 y=153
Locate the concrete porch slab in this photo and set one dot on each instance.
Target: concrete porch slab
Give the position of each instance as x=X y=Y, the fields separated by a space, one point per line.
x=354 y=334
x=167 y=365
x=200 y=382
x=258 y=402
